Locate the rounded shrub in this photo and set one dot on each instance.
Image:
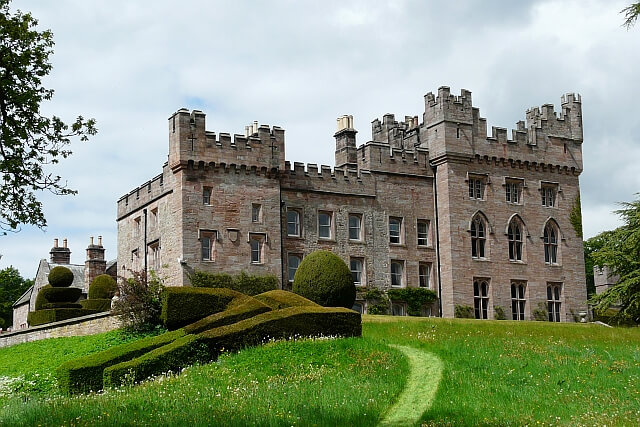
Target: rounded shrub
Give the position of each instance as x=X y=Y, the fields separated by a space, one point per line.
x=41 y=298
x=60 y=277
x=102 y=287
x=325 y=279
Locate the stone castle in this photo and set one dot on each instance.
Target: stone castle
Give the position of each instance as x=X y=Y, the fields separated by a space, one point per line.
x=435 y=203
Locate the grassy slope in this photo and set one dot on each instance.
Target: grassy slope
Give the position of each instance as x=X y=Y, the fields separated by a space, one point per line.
x=495 y=373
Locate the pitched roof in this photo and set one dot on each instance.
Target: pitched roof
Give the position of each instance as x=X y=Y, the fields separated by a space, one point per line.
x=25 y=298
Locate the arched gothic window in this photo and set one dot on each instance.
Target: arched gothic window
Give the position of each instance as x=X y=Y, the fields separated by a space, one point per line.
x=514 y=234
x=550 y=244
x=478 y=237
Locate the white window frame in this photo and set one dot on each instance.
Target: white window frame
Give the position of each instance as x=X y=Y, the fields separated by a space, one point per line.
x=322 y=227
x=518 y=299
x=422 y=236
x=257 y=252
x=478 y=238
x=554 y=301
x=481 y=293
x=514 y=237
x=397 y=275
x=208 y=238
x=358 y=217
x=396 y=239
x=550 y=241
x=353 y=261
x=292 y=271
x=477 y=187
x=297 y=223
x=513 y=191
x=424 y=275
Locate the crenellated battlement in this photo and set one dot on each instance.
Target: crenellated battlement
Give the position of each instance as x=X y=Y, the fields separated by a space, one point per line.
x=325 y=179
x=398 y=134
x=453 y=127
x=260 y=146
x=145 y=193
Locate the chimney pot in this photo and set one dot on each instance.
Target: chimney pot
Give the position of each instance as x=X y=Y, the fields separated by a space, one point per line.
x=99 y=240
x=91 y=240
x=55 y=243
x=64 y=243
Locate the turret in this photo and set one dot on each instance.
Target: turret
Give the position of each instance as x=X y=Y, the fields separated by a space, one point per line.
x=346 y=152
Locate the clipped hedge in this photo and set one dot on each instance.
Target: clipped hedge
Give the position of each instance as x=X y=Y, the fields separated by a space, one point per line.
x=97 y=304
x=301 y=321
x=102 y=287
x=184 y=305
x=239 y=309
x=61 y=305
x=40 y=317
x=279 y=299
x=60 y=277
x=85 y=373
x=40 y=298
x=323 y=277
x=243 y=282
x=416 y=298
x=51 y=295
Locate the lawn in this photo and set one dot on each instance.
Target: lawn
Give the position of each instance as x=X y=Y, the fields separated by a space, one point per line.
x=493 y=373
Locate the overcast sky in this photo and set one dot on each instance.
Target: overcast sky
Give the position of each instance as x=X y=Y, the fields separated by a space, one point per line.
x=300 y=65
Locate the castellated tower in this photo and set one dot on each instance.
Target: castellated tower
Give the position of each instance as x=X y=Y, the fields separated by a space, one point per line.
x=479 y=217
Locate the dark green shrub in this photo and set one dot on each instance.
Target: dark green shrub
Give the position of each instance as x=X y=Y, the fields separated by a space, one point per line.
x=377 y=301
x=61 y=305
x=498 y=313
x=540 y=313
x=278 y=299
x=324 y=278
x=103 y=287
x=97 y=304
x=60 y=277
x=239 y=309
x=288 y=323
x=85 y=373
x=254 y=285
x=40 y=317
x=202 y=279
x=243 y=282
x=49 y=295
x=416 y=298
x=184 y=304
x=464 y=312
x=40 y=299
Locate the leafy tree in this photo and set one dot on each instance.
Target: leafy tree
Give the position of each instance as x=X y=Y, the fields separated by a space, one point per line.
x=28 y=139
x=139 y=301
x=621 y=252
x=591 y=246
x=631 y=14
x=12 y=286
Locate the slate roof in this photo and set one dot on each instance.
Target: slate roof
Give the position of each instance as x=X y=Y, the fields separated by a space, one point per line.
x=25 y=298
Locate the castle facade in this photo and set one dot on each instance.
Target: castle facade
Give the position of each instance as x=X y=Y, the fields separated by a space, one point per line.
x=482 y=220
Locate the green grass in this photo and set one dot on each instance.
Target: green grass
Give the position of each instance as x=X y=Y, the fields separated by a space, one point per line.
x=494 y=373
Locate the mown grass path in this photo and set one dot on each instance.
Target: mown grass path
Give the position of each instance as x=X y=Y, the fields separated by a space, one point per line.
x=418 y=394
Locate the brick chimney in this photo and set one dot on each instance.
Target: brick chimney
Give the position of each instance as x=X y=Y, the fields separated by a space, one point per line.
x=60 y=255
x=95 y=264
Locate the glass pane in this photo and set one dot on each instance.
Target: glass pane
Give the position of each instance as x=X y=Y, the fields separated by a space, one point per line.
x=485 y=289
x=476 y=307
x=255 y=250
x=394 y=231
x=521 y=291
x=518 y=251
x=471 y=188
x=522 y=303
x=324 y=225
x=549 y=293
x=480 y=229
x=474 y=247
x=511 y=251
x=293 y=223
x=556 y=293
x=357 y=307
x=354 y=227
x=484 y=309
x=481 y=248
x=513 y=291
x=476 y=290
x=206 y=248
x=474 y=231
x=514 y=310
x=550 y=310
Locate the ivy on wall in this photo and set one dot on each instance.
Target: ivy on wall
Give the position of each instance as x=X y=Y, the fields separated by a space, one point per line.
x=575 y=216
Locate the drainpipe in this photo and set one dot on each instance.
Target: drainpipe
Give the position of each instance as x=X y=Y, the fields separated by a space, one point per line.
x=145 y=240
x=435 y=203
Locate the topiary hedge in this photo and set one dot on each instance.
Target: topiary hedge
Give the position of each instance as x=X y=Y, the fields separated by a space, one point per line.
x=301 y=321
x=50 y=295
x=239 y=309
x=102 y=287
x=60 y=277
x=416 y=298
x=278 y=299
x=40 y=317
x=61 y=305
x=324 y=278
x=40 y=298
x=184 y=305
x=97 y=304
x=246 y=283
x=85 y=373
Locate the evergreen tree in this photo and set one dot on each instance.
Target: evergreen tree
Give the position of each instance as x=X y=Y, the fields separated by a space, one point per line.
x=12 y=286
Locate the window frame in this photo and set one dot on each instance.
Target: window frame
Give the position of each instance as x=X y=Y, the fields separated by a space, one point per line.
x=515 y=240
x=401 y=274
x=513 y=186
x=478 y=238
x=260 y=240
x=299 y=257
x=549 y=194
x=357 y=216
x=477 y=187
x=550 y=242
x=207 y=192
x=360 y=260
x=481 y=296
x=426 y=282
x=402 y=306
x=554 y=301
x=153 y=251
x=212 y=237
x=400 y=234
x=256 y=219
x=298 y=223
x=425 y=234
x=518 y=300
x=328 y=227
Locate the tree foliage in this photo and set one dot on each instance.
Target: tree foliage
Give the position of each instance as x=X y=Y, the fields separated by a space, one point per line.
x=591 y=246
x=631 y=14
x=12 y=286
x=140 y=301
x=621 y=252
x=29 y=140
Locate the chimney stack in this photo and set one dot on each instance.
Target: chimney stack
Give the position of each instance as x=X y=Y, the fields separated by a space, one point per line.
x=60 y=255
x=95 y=264
x=346 y=152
